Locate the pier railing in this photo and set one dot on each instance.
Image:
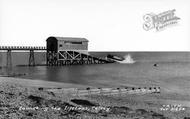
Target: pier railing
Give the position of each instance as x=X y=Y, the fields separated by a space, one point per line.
x=22 y=48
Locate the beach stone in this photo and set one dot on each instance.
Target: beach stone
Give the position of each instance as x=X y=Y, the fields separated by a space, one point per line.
x=155 y=65
x=158 y=116
x=186 y=117
x=36 y=99
x=141 y=111
x=83 y=102
x=119 y=110
x=51 y=93
x=40 y=88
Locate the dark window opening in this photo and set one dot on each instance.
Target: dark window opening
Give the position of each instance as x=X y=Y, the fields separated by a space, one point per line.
x=60 y=45
x=72 y=42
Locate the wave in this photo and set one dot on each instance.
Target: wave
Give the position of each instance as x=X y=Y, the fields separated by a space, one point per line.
x=128 y=60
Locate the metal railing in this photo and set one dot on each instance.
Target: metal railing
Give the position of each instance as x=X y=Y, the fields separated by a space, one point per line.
x=22 y=48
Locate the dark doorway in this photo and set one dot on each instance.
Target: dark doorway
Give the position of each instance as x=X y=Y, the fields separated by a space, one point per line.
x=52 y=44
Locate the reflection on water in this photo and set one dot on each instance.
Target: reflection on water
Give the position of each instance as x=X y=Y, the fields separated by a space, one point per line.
x=80 y=74
x=109 y=74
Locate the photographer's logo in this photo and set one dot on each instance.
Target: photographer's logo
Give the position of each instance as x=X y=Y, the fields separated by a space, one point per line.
x=160 y=21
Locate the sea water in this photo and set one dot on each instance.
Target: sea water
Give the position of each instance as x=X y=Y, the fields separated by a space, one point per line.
x=137 y=70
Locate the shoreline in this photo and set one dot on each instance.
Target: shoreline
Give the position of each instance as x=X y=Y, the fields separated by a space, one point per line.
x=39 y=83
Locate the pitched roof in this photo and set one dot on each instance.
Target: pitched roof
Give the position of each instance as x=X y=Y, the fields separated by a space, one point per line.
x=71 y=39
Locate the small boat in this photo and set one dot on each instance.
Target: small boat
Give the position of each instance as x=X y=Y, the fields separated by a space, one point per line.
x=114 y=58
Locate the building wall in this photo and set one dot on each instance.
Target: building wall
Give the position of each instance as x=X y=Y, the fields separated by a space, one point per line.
x=64 y=45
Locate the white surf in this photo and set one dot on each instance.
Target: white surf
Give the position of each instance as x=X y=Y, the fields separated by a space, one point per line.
x=128 y=60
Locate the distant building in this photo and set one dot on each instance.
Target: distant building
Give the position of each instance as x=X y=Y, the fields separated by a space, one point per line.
x=56 y=44
x=62 y=51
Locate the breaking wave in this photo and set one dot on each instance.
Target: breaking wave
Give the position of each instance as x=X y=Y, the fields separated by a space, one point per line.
x=128 y=60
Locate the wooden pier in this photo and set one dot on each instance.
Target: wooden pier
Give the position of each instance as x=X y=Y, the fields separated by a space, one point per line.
x=31 y=49
x=63 y=58
x=60 y=51
x=63 y=51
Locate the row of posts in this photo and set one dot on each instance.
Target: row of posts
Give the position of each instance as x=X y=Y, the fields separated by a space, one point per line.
x=107 y=91
x=9 y=58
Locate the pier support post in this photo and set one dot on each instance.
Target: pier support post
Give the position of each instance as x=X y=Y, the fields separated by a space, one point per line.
x=31 y=58
x=9 y=58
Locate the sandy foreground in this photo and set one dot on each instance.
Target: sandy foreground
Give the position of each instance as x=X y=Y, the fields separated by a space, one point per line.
x=28 y=99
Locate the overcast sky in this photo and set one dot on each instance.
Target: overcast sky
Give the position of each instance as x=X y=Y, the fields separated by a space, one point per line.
x=109 y=25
